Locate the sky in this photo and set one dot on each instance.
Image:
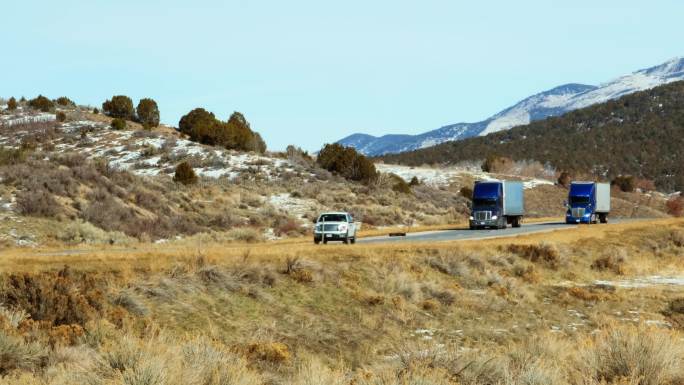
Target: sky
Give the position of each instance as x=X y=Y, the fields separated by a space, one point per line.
x=309 y=72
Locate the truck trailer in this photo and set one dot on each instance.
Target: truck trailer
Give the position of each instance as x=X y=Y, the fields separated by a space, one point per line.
x=497 y=204
x=588 y=202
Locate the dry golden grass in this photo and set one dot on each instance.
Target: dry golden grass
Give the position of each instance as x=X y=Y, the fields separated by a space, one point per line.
x=476 y=312
x=158 y=256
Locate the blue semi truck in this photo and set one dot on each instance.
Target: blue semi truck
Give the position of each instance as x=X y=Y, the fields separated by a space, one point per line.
x=497 y=204
x=588 y=202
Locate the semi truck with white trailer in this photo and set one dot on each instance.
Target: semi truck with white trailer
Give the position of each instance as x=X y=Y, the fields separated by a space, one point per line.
x=496 y=204
x=588 y=202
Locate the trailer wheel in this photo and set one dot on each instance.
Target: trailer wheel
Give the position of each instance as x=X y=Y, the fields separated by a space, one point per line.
x=516 y=221
x=503 y=223
x=603 y=218
x=352 y=240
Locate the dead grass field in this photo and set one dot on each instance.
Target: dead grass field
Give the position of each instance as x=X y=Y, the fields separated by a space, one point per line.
x=524 y=310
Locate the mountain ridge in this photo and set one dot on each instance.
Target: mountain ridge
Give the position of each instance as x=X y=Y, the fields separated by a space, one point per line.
x=553 y=102
x=639 y=134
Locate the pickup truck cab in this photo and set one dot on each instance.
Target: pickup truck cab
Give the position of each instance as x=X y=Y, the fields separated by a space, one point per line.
x=335 y=226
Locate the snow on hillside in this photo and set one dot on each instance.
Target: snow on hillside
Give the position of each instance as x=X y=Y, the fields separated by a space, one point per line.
x=553 y=102
x=297 y=207
x=21 y=117
x=146 y=153
x=444 y=176
x=517 y=116
x=149 y=153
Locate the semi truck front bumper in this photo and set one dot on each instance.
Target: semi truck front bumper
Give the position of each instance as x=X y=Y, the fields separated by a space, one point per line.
x=484 y=223
x=569 y=219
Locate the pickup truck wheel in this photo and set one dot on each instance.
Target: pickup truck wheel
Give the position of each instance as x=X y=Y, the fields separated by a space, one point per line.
x=317 y=241
x=325 y=241
x=345 y=241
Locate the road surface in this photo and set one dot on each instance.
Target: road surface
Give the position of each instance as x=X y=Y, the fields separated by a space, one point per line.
x=426 y=236
x=467 y=234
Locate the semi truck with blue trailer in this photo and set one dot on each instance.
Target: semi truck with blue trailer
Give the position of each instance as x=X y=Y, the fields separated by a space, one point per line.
x=588 y=202
x=496 y=204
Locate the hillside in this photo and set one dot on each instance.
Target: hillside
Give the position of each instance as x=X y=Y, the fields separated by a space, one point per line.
x=81 y=181
x=640 y=134
x=553 y=102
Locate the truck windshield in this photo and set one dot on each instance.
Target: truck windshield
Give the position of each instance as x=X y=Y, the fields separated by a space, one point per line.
x=484 y=202
x=579 y=200
x=333 y=218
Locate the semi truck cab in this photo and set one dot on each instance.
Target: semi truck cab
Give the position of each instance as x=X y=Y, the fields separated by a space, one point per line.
x=588 y=202
x=496 y=204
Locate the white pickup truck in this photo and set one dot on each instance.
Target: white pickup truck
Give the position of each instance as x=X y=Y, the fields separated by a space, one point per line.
x=335 y=226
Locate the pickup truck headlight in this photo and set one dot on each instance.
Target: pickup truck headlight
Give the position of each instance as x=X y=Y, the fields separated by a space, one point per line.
x=494 y=217
x=342 y=228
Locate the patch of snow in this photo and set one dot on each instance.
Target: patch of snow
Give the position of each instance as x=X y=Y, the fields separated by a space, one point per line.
x=269 y=235
x=446 y=175
x=659 y=323
x=511 y=118
x=537 y=182
x=635 y=283
x=431 y=176
x=555 y=101
x=13 y=120
x=297 y=207
x=154 y=142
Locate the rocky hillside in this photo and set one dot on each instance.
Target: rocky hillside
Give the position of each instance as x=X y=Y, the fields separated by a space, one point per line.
x=82 y=180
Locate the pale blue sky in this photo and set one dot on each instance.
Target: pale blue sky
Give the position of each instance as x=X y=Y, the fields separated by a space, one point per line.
x=310 y=72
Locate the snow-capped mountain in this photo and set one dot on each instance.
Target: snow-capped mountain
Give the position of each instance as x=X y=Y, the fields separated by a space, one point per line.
x=553 y=102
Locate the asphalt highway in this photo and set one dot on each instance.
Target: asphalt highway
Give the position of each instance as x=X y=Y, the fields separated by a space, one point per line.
x=467 y=234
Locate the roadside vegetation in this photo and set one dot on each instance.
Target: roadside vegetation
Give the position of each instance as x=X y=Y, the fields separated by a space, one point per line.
x=529 y=311
x=235 y=134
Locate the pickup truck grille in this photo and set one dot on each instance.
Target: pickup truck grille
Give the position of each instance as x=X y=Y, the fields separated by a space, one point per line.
x=329 y=227
x=578 y=212
x=483 y=215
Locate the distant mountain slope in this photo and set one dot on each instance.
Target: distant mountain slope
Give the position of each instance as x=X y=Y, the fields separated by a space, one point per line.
x=554 y=102
x=640 y=134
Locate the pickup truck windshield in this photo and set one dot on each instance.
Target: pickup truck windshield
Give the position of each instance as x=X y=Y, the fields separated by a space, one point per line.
x=579 y=200
x=333 y=218
x=484 y=202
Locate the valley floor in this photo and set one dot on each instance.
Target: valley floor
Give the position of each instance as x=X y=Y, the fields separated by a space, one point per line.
x=595 y=305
